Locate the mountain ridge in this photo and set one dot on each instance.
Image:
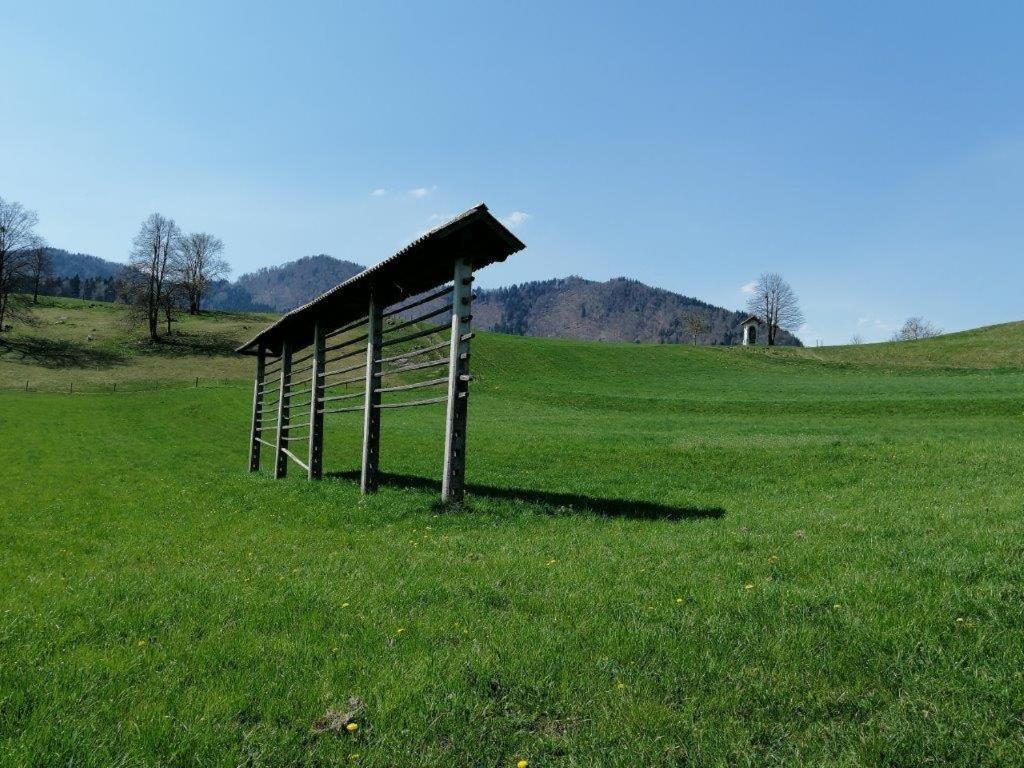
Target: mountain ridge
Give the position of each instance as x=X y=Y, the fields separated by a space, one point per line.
x=620 y=309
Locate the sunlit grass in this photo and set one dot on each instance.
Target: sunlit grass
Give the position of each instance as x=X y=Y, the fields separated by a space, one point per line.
x=668 y=556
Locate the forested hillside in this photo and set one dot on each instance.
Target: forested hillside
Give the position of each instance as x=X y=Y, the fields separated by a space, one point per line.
x=290 y=285
x=616 y=310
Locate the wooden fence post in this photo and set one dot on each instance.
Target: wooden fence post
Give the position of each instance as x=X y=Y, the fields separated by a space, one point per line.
x=316 y=408
x=280 y=458
x=454 y=480
x=371 y=415
x=257 y=403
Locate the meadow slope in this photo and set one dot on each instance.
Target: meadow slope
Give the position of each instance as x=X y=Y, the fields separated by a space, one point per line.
x=668 y=556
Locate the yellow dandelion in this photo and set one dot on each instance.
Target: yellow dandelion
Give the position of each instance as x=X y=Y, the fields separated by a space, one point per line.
x=141 y=643
x=400 y=630
x=523 y=764
x=679 y=599
x=354 y=756
x=620 y=685
x=748 y=586
x=352 y=727
x=344 y=605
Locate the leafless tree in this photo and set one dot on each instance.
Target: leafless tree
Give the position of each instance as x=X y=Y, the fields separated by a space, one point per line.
x=776 y=303
x=202 y=264
x=916 y=328
x=153 y=266
x=856 y=339
x=39 y=267
x=17 y=236
x=695 y=324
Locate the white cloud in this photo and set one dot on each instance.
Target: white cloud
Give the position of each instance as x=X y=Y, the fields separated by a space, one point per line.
x=516 y=218
x=421 y=192
x=379 y=192
x=873 y=322
x=748 y=287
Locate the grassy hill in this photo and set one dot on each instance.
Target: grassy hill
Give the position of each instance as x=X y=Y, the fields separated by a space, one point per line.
x=669 y=556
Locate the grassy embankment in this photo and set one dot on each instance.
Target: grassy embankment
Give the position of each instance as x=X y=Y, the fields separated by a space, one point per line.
x=669 y=556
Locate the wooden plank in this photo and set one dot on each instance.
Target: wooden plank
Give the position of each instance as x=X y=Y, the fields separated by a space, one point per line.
x=348 y=343
x=314 y=466
x=416 y=352
x=351 y=409
x=293 y=457
x=257 y=405
x=349 y=327
x=411 y=403
x=414 y=385
x=420 y=301
x=417 y=366
x=453 y=482
x=369 y=474
x=422 y=318
x=351 y=396
x=412 y=336
x=266 y=443
x=280 y=461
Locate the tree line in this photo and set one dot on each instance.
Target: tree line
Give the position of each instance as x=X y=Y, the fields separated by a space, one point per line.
x=168 y=271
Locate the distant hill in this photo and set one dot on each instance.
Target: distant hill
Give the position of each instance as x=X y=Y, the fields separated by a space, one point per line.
x=67 y=264
x=617 y=310
x=280 y=289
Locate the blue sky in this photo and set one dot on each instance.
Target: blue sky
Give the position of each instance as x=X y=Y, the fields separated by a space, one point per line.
x=871 y=152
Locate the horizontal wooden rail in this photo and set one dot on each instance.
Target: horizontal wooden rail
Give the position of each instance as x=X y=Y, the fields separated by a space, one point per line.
x=347 y=343
x=359 y=351
x=343 y=382
x=417 y=335
x=333 y=398
x=350 y=409
x=410 y=403
x=349 y=327
x=416 y=385
x=302 y=370
x=422 y=300
x=415 y=352
x=415 y=366
x=340 y=371
x=420 y=319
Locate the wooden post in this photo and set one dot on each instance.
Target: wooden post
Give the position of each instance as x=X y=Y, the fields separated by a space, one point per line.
x=316 y=408
x=454 y=480
x=257 y=405
x=280 y=459
x=371 y=415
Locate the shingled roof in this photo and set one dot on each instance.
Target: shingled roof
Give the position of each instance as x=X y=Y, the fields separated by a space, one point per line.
x=423 y=264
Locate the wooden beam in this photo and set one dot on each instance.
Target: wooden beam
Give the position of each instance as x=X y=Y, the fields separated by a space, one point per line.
x=454 y=480
x=280 y=458
x=371 y=417
x=314 y=466
x=257 y=404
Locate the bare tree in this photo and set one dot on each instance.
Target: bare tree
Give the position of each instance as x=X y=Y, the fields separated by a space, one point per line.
x=153 y=265
x=776 y=303
x=856 y=339
x=17 y=236
x=173 y=298
x=202 y=264
x=916 y=328
x=695 y=324
x=39 y=267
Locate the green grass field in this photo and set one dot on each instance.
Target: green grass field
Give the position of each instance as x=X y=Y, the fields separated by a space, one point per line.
x=669 y=556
